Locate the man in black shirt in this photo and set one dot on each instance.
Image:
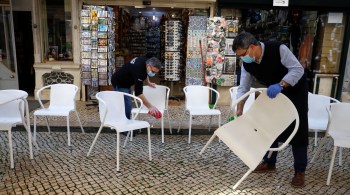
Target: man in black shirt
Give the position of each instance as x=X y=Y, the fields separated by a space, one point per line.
x=134 y=73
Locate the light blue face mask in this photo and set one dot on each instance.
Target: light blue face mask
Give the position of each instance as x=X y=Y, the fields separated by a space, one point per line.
x=151 y=74
x=248 y=59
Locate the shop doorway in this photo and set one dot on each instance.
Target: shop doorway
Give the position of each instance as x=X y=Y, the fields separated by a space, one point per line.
x=24 y=50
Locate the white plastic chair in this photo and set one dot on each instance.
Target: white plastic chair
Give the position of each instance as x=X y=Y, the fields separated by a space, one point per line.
x=318 y=115
x=62 y=102
x=339 y=130
x=233 y=95
x=112 y=115
x=158 y=97
x=251 y=135
x=13 y=111
x=197 y=104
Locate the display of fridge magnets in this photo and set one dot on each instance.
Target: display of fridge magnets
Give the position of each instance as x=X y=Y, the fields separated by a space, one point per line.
x=85 y=54
x=94 y=63
x=102 y=27
x=102 y=82
x=103 y=75
x=219 y=66
x=93 y=43
x=86 y=68
x=102 y=14
x=86 y=48
x=102 y=62
x=86 y=34
x=85 y=41
x=85 y=26
x=85 y=20
x=102 y=49
x=102 y=35
x=85 y=62
x=86 y=81
x=86 y=75
x=102 y=68
x=102 y=56
x=93 y=14
x=102 y=42
x=94 y=27
x=85 y=13
x=94 y=54
x=102 y=21
x=93 y=34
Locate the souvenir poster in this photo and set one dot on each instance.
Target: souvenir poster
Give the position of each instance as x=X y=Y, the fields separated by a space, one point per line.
x=102 y=49
x=94 y=54
x=102 y=56
x=85 y=13
x=102 y=42
x=230 y=65
x=86 y=27
x=102 y=27
x=93 y=14
x=102 y=35
x=94 y=63
x=102 y=21
x=86 y=34
x=102 y=62
x=85 y=54
x=85 y=20
x=86 y=48
x=102 y=14
x=229 y=50
x=85 y=41
x=86 y=62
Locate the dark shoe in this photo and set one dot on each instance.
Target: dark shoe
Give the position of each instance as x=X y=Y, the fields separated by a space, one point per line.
x=298 y=180
x=264 y=168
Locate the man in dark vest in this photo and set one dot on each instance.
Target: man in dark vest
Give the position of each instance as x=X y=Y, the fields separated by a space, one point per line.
x=274 y=65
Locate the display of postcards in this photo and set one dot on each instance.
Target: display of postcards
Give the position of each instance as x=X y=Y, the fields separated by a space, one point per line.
x=102 y=27
x=103 y=75
x=94 y=63
x=85 y=13
x=85 y=54
x=85 y=47
x=86 y=34
x=94 y=27
x=85 y=41
x=86 y=75
x=94 y=83
x=86 y=68
x=102 y=21
x=102 y=35
x=102 y=42
x=85 y=27
x=94 y=14
x=102 y=56
x=228 y=50
x=85 y=62
x=102 y=82
x=102 y=68
x=102 y=14
x=94 y=74
x=230 y=65
x=102 y=63
x=94 y=54
x=93 y=34
x=93 y=43
x=86 y=81
x=85 y=20
x=102 y=49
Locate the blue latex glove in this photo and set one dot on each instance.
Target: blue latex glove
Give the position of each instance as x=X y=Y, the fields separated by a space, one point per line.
x=273 y=90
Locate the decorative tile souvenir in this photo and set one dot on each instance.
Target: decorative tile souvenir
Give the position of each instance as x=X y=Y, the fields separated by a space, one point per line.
x=102 y=42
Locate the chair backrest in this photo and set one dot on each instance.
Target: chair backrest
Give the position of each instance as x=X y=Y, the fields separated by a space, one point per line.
x=318 y=110
x=112 y=106
x=197 y=96
x=63 y=95
x=10 y=112
x=339 y=120
x=248 y=102
x=250 y=136
x=157 y=96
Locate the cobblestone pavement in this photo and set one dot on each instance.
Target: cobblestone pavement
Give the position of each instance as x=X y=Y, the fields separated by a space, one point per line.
x=176 y=168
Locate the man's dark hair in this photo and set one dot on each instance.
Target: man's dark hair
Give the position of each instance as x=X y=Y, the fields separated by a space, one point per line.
x=243 y=40
x=154 y=62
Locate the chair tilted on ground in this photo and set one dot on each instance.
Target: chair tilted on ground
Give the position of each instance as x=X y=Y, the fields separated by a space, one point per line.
x=112 y=115
x=251 y=135
x=62 y=103
x=158 y=97
x=318 y=114
x=197 y=104
x=13 y=111
x=233 y=95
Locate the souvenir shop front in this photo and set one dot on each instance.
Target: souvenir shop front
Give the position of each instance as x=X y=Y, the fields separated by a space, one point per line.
x=317 y=32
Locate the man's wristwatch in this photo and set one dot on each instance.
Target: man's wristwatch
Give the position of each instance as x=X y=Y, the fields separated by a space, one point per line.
x=282 y=84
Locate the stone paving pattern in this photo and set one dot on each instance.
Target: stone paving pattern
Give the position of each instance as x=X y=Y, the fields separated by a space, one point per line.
x=176 y=168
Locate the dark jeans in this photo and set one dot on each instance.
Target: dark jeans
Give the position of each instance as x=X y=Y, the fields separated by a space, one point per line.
x=299 y=153
x=127 y=100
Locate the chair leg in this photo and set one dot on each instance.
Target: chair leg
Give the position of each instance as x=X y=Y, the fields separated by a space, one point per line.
x=81 y=126
x=315 y=138
x=207 y=144
x=320 y=145
x=132 y=134
x=162 y=128
x=149 y=143
x=340 y=156
x=34 y=132
x=219 y=116
x=190 y=129
x=181 y=119
x=211 y=118
x=47 y=124
x=167 y=112
x=68 y=130
x=126 y=139
x=118 y=139
x=331 y=165
x=29 y=141
x=94 y=142
x=12 y=165
x=244 y=176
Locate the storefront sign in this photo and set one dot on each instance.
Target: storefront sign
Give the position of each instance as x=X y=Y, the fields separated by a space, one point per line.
x=284 y=3
x=5 y=2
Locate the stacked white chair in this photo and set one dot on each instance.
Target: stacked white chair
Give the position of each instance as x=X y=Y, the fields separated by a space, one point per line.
x=248 y=103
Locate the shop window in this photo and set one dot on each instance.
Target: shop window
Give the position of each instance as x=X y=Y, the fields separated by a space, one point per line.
x=57 y=30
